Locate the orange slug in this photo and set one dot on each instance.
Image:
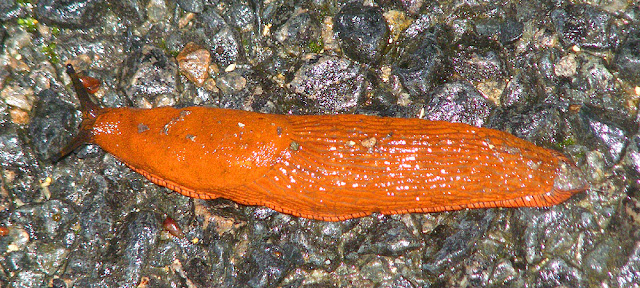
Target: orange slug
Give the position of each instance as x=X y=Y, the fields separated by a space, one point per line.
x=330 y=167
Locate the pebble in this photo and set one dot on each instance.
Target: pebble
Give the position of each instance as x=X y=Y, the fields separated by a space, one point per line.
x=362 y=31
x=193 y=62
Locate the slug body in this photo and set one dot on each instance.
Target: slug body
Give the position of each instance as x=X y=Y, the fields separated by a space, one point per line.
x=330 y=167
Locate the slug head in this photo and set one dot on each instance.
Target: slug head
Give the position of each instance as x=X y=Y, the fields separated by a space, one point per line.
x=90 y=110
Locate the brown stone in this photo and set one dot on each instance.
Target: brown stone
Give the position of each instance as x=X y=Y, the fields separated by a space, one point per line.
x=193 y=61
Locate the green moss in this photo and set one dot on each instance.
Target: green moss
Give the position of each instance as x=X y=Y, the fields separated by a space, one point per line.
x=163 y=45
x=566 y=142
x=246 y=44
x=28 y=24
x=50 y=51
x=315 y=46
x=24 y=2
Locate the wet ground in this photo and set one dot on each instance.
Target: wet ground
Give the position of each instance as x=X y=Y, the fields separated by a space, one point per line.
x=564 y=75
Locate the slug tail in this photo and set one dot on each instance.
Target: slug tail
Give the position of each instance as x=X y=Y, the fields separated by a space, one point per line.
x=90 y=110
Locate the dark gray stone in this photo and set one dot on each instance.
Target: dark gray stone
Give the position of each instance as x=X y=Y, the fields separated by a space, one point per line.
x=151 y=74
x=362 y=31
x=510 y=30
x=627 y=58
x=71 y=13
x=52 y=122
x=131 y=11
x=220 y=38
x=603 y=132
x=389 y=239
x=541 y=124
x=586 y=26
x=456 y=242
x=422 y=64
x=557 y=273
x=477 y=64
x=332 y=83
x=268 y=264
x=632 y=154
x=458 y=102
x=195 y=6
x=129 y=250
x=9 y=9
x=300 y=33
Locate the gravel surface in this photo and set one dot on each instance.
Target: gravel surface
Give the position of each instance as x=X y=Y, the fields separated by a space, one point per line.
x=562 y=74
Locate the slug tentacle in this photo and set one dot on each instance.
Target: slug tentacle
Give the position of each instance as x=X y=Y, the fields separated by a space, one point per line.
x=89 y=108
x=90 y=111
